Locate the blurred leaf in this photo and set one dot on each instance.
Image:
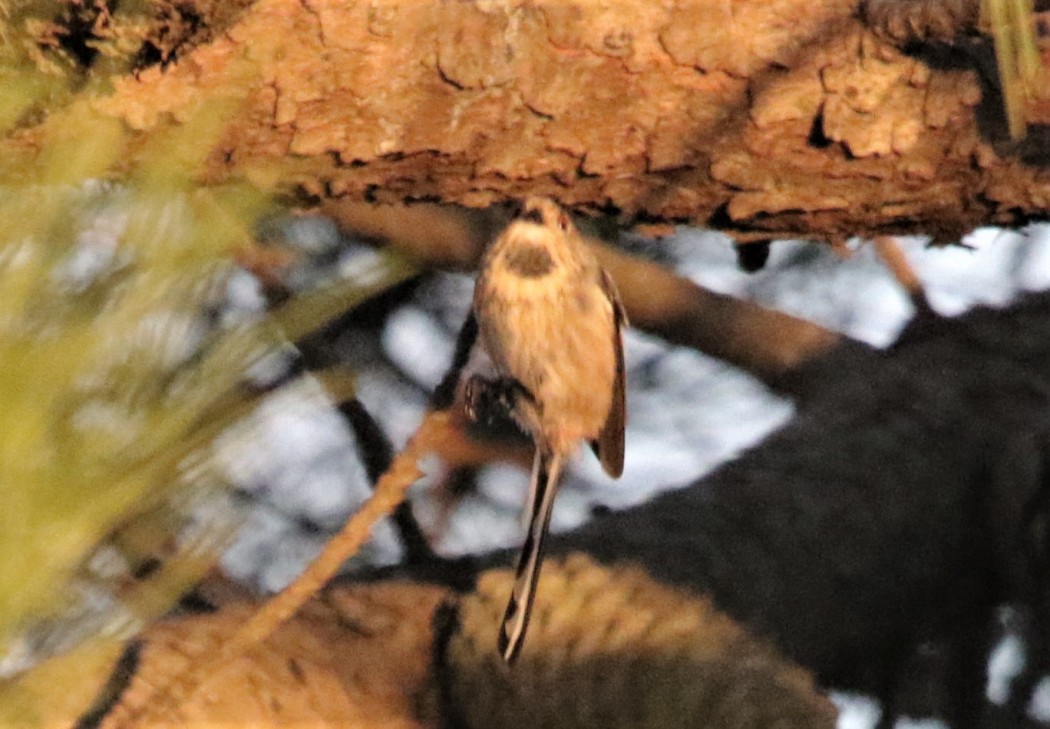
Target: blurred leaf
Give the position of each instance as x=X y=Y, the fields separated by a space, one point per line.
x=117 y=374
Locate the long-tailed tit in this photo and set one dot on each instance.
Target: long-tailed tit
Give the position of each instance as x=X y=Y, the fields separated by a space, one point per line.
x=550 y=319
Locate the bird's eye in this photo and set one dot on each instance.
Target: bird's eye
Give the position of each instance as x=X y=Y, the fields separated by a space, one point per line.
x=533 y=215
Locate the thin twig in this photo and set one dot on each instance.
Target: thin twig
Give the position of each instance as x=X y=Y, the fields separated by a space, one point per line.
x=389 y=492
x=377 y=452
x=890 y=252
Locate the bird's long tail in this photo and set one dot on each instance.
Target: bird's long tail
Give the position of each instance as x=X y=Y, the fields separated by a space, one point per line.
x=546 y=470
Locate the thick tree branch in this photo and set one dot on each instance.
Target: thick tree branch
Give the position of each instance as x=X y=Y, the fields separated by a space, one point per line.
x=768 y=117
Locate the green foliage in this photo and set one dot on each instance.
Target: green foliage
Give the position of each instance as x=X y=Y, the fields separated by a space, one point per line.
x=115 y=382
x=100 y=400
x=28 y=78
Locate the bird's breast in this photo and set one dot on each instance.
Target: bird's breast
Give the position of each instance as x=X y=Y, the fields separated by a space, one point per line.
x=555 y=335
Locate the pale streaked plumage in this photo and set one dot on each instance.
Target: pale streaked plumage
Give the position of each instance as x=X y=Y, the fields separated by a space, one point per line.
x=549 y=318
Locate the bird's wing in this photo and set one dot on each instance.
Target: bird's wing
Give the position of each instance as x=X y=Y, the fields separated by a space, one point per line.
x=609 y=446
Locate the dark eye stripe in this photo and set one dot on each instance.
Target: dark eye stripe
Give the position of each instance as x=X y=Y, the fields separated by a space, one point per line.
x=533 y=215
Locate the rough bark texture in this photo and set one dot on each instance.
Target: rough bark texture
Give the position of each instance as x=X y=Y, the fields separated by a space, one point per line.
x=611 y=648
x=363 y=656
x=765 y=118
x=356 y=658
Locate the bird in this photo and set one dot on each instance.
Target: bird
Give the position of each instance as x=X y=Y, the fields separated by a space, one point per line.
x=551 y=322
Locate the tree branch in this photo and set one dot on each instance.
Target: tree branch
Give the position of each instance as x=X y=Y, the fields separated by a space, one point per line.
x=768 y=116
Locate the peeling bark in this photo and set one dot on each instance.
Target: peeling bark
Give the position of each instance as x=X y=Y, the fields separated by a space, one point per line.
x=769 y=118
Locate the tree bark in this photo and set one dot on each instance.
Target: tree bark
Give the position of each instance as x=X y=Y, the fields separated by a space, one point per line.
x=765 y=118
